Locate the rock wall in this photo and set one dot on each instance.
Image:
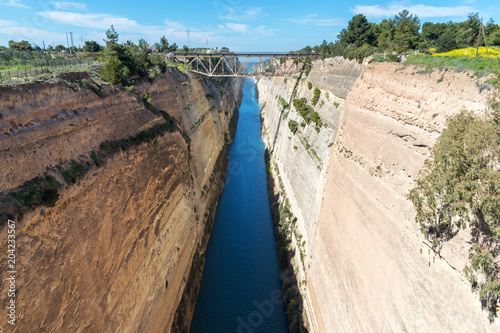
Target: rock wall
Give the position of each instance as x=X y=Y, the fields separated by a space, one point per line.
x=115 y=252
x=302 y=157
x=368 y=268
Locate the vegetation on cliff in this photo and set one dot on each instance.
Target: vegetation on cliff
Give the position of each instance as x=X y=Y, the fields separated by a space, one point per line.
x=404 y=33
x=459 y=187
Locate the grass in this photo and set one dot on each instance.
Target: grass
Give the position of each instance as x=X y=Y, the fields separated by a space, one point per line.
x=484 y=64
x=181 y=66
x=51 y=75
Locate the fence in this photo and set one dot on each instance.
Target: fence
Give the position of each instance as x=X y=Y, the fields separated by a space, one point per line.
x=66 y=64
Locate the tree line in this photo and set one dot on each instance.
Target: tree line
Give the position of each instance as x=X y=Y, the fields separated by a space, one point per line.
x=404 y=33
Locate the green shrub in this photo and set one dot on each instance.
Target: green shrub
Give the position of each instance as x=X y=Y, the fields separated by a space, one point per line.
x=315 y=99
x=284 y=103
x=358 y=53
x=148 y=102
x=309 y=85
x=316 y=119
x=38 y=191
x=71 y=174
x=114 y=71
x=293 y=125
x=459 y=187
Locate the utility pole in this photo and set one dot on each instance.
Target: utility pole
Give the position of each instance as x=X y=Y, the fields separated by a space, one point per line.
x=481 y=29
x=188 y=39
x=46 y=58
x=67 y=40
x=72 y=44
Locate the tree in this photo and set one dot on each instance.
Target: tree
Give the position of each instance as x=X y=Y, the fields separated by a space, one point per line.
x=459 y=187
x=59 y=48
x=164 y=44
x=173 y=47
x=293 y=126
x=386 y=33
x=469 y=30
x=91 y=46
x=111 y=36
x=446 y=42
x=114 y=71
x=494 y=38
x=492 y=32
x=406 y=34
x=359 y=32
x=20 y=46
x=432 y=31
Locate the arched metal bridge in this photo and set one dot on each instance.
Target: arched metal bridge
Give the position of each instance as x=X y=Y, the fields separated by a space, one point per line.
x=229 y=64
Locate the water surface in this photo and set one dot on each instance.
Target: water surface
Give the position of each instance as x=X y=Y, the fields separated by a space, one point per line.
x=240 y=288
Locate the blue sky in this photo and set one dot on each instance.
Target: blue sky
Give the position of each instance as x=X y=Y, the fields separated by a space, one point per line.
x=272 y=25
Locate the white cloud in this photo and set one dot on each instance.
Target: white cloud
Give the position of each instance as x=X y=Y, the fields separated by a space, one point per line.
x=94 y=21
x=422 y=11
x=236 y=27
x=240 y=13
x=5 y=23
x=69 y=5
x=247 y=30
x=33 y=35
x=313 y=19
x=130 y=29
x=13 y=3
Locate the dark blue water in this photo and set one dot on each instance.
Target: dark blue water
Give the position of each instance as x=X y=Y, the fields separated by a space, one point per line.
x=241 y=288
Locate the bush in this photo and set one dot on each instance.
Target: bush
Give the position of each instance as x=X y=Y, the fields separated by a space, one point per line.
x=75 y=171
x=309 y=85
x=114 y=71
x=459 y=187
x=39 y=191
x=358 y=53
x=446 y=42
x=315 y=99
x=293 y=126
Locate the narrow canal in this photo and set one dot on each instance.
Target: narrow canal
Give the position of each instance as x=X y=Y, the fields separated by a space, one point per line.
x=241 y=288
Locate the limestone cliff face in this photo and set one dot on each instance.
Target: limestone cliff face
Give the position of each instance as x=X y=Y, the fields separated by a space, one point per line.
x=115 y=252
x=368 y=266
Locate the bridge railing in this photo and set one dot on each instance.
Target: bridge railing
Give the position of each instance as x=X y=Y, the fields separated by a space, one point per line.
x=246 y=64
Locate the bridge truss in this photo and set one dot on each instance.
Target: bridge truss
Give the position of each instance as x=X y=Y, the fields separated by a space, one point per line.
x=246 y=64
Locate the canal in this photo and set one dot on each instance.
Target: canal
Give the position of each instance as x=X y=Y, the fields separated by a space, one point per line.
x=241 y=288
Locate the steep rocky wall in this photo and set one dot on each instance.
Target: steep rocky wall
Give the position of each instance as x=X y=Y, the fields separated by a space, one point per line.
x=302 y=157
x=369 y=268
x=115 y=252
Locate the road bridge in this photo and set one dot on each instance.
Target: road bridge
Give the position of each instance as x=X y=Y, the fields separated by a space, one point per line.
x=231 y=64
